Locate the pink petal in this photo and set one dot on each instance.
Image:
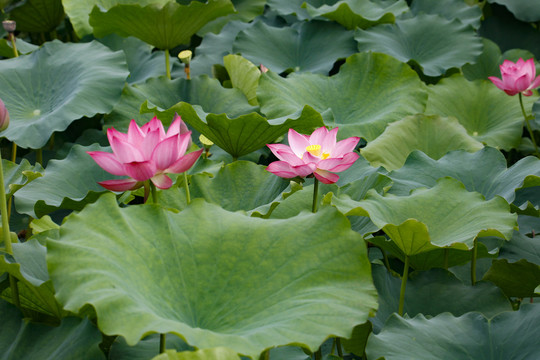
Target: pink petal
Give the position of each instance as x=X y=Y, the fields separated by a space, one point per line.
x=277 y=148
x=151 y=140
x=318 y=136
x=298 y=142
x=152 y=125
x=326 y=177
x=162 y=181
x=340 y=165
x=527 y=93
x=165 y=153
x=108 y=162
x=112 y=133
x=184 y=141
x=304 y=170
x=184 y=163
x=530 y=69
x=134 y=135
x=140 y=170
x=521 y=84
x=308 y=158
x=345 y=146
x=290 y=157
x=285 y=170
x=124 y=151
x=535 y=83
x=497 y=82
x=329 y=142
x=121 y=185
x=177 y=127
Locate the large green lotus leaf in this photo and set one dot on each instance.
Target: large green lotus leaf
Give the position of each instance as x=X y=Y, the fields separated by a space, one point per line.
x=74 y=339
x=487 y=63
x=450 y=9
x=245 y=133
x=510 y=336
x=18 y=175
x=60 y=86
x=446 y=215
x=522 y=247
x=244 y=76
x=370 y=91
x=289 y=7
x=213 y=277
x=484 y=171
x=146 y=348
x=241 y=185
x=217 y=353
x=430 y=134
x=70 y=183
x=38 y=15
x=516 y=279
x=36 y=292
x=523 y=10
x=164 y=93
x=163 y=26
x=23 y=47
x=434 y=292
x=214 y=47
x=360 y=13
x=246 y=11
x=305 y=47
x=430 y=41
x=79 y=11
x=488 y=114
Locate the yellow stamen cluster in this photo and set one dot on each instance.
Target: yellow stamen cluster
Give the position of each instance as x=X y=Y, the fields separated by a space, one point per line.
x=315 y=150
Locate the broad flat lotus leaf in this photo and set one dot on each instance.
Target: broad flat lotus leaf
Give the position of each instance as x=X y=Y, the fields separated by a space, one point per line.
x=79 y=11
x=516 y=279
x=484 y=171
x=305 y=47
x=450 y=10
x=18 y=175
x=255 y=189
x=487 y=63
x=430 y=41
x=23 y=47
x=177 y=23
x=488 y=114
x=430 y=134
x=245 y=11
x=359 y=14
x=146 y=348
x=289 y=7
x=245 y=133
x=38 y=15
x=523 y=10
x=288 y=353
x=60 y=86
x=164 y=94
x=434 y=292
x=522 y=247
x=369 y=92
x=36 y=292
x=446 y=215
x=70 y=183
x=217 y=353
x=509 y=335
x=146 y=270
x=73 y=339
x=244 y=76
x=214 y=47
x=357 y=343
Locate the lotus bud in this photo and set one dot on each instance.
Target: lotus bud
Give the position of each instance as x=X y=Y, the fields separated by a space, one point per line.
x=9 y=26
x=4 y=116
x=263 y=68
x=207 y=144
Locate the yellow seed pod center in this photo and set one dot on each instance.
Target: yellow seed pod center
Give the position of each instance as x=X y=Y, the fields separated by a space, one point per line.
x=314 y=150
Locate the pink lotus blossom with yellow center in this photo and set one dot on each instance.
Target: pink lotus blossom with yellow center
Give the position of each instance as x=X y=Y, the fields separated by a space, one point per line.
x=146 y=153
x=318 y=154
x=517 y=77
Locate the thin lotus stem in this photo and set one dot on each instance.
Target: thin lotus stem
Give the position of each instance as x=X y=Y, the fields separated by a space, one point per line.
x=338 y=346
x=162 y=340
x=446 y=256
x=11 y=37
x=265 y=355
x=13 y=152
x=14 y=291
x=187 y=71
x=154 y=192
x=473 y=262
x=385 y=259
x=315 y=195
x=53 y=34
x=528 y=125
x=168 y=64
x=318 y=354
x=186 y=185
x=39 y=156
x=403 y=285
x=146 y=190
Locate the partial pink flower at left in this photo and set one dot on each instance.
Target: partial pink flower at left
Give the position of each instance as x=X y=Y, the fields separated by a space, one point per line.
x=318 y=154
x=4 y=116
x=146 y=153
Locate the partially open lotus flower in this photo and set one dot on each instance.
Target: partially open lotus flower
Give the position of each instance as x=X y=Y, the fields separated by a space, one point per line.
x=517 y=77
x=146 y=153
x=318 y=154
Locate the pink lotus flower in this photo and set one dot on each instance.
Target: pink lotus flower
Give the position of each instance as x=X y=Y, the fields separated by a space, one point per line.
x=4 y=116
x=146 y=153
x=517 y=78
x=318 y=154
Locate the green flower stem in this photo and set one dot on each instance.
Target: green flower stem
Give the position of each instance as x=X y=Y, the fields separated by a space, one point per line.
x=403 y=285
x=146 y=190
x=473 y=262
x=162 y=340
x=318 y=354
x=265 y=355
x=14 y=45
x=528 y=125
x=14 y=291
x=315 y=195
x=39 y=156
x=186 y=185
x=168 y=64
x=154 y=192
x=338 y=345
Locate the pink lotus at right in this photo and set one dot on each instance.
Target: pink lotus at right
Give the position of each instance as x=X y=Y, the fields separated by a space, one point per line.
x=318 y=154
x=517 y=77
